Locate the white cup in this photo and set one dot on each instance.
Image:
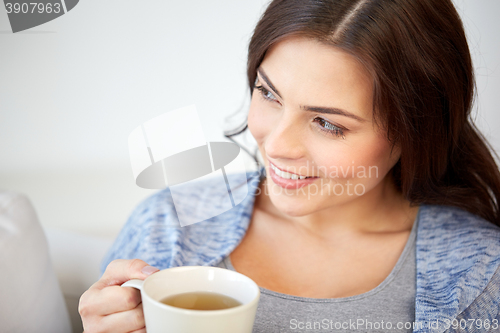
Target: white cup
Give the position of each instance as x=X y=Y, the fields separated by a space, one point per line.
x=164 y=318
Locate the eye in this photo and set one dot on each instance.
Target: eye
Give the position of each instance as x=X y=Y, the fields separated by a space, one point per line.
x=329 y=128
x=266 y=94
x=324 y=125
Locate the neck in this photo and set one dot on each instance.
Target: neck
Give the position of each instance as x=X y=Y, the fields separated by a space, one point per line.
x=380 y=210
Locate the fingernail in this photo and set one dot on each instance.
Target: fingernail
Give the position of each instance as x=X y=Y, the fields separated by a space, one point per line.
x=148 y=270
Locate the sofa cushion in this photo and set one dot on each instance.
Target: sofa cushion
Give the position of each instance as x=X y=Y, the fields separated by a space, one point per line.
x=31 y=300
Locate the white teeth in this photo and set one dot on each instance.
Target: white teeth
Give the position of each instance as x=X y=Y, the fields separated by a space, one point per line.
x=286 y=175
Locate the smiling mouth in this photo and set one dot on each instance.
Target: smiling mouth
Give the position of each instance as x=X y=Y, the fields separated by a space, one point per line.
x=287 y=175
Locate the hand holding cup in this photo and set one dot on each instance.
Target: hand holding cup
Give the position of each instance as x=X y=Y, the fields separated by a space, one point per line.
x=107 y=307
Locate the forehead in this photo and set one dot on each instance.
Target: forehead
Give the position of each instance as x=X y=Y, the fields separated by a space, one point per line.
x=309 y=72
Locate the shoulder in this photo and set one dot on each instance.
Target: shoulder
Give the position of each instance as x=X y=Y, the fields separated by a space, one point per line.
x=455 y=235
x=157 y=231
x=457 y=244
x=204 y=198
x=458 y=260
x=454 y=224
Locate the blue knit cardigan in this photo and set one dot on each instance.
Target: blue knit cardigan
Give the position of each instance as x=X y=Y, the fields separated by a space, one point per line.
x=457 y=253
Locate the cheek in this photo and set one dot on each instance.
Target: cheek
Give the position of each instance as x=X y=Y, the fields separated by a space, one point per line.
x=378 y=162
x=381 y=154
x=362 y=158
x=258 y=122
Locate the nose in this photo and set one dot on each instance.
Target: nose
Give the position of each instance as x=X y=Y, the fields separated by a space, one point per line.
x=286 y=141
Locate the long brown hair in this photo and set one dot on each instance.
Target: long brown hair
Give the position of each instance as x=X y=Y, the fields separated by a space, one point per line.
x=418 y=56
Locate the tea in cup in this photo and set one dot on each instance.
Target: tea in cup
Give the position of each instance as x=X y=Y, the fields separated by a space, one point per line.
x=203 y=299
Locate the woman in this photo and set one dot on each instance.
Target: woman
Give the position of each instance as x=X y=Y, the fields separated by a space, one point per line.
x=391 y=221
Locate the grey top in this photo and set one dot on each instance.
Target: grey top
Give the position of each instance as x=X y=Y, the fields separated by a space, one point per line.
x=388 y=307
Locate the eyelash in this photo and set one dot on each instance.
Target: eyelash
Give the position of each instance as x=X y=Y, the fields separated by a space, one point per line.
x=325 y=126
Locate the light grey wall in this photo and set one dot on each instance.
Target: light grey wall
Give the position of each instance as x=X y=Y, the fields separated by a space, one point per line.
x=482 y=26
x=73 y=89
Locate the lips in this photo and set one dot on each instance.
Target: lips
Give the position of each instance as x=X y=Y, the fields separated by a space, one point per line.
x=289 y=183
x=287 y=174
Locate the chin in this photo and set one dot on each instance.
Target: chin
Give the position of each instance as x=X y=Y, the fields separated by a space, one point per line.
x=292 y=206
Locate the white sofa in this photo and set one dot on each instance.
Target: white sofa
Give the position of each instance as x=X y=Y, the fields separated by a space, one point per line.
x=44 y=270
x=80 y=213
x=76 y=258
x=31 y=298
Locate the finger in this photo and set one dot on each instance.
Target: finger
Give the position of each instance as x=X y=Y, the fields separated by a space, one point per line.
x=114 y=299
x=120 y=270
x=126 y=321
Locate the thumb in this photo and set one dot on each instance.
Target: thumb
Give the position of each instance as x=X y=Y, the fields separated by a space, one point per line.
x=120 y=271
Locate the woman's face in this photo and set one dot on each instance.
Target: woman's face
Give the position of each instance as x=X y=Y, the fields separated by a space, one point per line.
x=311 y=114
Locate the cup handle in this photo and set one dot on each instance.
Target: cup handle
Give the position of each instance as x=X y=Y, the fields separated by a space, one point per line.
x=134 y=283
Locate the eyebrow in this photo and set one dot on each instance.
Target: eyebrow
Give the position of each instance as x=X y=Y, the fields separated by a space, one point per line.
x=265 y=78
x=318 y=109
x=337 y=111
